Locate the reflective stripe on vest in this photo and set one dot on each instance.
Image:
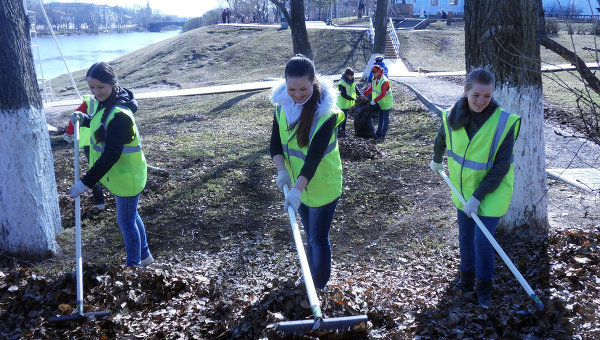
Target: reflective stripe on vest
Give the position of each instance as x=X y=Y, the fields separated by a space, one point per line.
x=470 y=160
x=387 y=101
x=342 y=102
x=127 y=177
x=326 y=184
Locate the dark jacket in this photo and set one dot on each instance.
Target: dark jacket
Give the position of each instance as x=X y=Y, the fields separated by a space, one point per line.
x=461 y=116
x=118 y=133
x=342 y=89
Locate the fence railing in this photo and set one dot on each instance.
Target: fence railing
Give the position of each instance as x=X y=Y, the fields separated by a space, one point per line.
x=394 y=36
x=371 y=32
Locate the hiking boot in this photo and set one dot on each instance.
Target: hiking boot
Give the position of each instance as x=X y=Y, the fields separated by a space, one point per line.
x=484 y=293
x=147 y=261
x=466 y=282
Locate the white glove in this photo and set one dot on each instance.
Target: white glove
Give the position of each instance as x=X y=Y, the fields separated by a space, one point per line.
x=471 y=207
x=373 y=102
x=78 y=189
x=436 y=167
x=283 y=178
x=292 y=200
x=67 y=138
x=76 y=116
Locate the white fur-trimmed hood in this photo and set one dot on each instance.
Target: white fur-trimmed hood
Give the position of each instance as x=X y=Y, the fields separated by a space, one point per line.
x=324 y=106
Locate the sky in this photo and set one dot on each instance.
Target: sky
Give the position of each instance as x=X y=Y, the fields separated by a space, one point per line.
x=183 y=8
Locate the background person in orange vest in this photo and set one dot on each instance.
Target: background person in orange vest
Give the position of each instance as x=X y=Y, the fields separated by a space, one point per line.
x=480 y=137
x=383 y=98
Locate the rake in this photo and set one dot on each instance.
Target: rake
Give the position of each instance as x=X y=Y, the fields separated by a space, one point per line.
x=79 y=314
x=495 y=244
x=319 y=322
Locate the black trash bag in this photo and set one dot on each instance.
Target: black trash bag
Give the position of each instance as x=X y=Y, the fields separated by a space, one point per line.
x=363 y=124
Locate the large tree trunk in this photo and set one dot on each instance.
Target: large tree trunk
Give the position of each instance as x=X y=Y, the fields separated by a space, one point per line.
x=29 y=213
x=501 y=36
x=297 y=24
x=380 y=25
x=381 y=21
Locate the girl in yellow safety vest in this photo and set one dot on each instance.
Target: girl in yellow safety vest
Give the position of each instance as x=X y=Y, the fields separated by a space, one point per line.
x=381 y=94
x=305 y=152
x=348 y=92
x=116 y=158
x=479 y=136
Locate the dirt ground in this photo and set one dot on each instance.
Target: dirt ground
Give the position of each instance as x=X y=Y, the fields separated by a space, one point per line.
x=226 y=261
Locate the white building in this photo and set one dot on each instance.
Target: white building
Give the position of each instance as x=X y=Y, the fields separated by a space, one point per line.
x=431 y=7
x=573 y=7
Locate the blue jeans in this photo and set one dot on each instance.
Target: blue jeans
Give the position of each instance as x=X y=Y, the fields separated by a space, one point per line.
x=132 y=228
x=342 y=127
x=384 y=121
x=476 y=252
x=316 y=222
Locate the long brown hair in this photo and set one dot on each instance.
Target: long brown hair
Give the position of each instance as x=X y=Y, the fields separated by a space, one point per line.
x=104 y=73
x=301 y=66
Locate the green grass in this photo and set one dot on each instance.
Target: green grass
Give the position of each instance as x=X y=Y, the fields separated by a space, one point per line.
x=215 y=55
x=442 y=48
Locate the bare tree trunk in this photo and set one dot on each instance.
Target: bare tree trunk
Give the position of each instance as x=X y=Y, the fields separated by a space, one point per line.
x=380 y=25
x=29 y=213
x=501 y=36
x=297 y=24
x=381 y=20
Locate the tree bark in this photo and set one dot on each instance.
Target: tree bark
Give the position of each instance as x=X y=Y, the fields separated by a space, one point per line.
x=381 y=20
x=501 y=36
x=380 y=25
x=29 y=212
x=297 y=24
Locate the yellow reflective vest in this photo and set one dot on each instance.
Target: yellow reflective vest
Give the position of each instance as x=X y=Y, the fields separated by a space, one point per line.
x=326 y=184
x=387 y=101
x=127 y=177
x=469 y=161
x=342 y=102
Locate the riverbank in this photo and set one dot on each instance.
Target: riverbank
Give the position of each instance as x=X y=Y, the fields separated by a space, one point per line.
x=41 y=32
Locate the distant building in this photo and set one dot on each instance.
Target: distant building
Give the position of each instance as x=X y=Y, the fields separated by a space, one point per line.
x=432 y=7
x=571 y=7
x=552 y=7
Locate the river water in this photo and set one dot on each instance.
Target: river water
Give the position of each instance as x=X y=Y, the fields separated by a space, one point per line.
x=81 y=51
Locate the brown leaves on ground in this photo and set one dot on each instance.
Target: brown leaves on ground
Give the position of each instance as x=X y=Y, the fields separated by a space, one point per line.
x=171 y=300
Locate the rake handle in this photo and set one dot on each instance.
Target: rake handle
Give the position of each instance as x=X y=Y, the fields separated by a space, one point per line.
x=78 y=260
x=315 y=304
x=495 y=244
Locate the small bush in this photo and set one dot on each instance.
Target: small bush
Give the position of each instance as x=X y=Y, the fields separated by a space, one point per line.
x=551 y=26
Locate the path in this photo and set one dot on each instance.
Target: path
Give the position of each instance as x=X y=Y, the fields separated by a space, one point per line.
x=309 y=25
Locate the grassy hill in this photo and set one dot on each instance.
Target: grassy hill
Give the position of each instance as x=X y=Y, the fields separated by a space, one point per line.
x=216 y=55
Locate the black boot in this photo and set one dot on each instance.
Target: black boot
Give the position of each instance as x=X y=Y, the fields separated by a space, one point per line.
x=466 y=282
x=484 y=292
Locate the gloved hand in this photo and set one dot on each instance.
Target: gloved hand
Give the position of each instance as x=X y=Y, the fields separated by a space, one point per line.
x=436 y=167
x=471 y=207
x=76 y=116
x=373 y=103
x=292 y=200
x=78 y=189
x=283 y=178
x=67 y=138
